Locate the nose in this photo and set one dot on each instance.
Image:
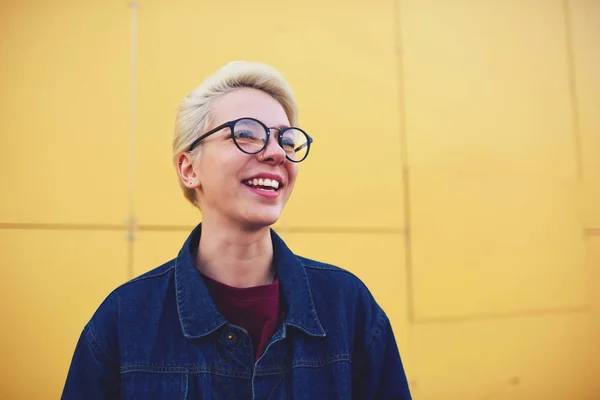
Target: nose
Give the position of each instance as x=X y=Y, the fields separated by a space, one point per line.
x=273 y=153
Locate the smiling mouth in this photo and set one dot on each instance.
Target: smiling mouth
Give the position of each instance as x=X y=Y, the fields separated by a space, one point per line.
x=268 y=185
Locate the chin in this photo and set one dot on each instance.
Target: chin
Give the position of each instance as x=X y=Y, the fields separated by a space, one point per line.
x=262 y=220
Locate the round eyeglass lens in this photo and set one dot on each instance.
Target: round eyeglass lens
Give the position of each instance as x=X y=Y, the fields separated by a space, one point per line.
x=250 y=136
x=295 y=143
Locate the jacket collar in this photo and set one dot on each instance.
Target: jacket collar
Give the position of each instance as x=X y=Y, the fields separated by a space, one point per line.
x=198 y=314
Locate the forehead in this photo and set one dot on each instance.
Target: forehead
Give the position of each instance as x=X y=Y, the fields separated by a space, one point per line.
x=246 y=102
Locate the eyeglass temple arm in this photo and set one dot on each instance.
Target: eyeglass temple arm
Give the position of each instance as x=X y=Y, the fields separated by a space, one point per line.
x=303 y=145
x=218 y=128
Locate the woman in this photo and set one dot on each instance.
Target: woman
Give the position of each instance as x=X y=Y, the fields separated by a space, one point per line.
x=236 y=315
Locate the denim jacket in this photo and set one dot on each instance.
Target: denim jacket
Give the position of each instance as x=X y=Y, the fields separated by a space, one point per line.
x=160 y=336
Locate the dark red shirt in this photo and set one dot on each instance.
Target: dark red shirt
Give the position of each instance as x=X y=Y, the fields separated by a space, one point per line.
x=255 y=309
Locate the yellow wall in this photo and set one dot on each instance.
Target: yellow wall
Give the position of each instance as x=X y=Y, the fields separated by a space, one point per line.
x=456 y=170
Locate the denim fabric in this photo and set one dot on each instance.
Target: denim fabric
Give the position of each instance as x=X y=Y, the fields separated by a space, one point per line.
x=160 y=336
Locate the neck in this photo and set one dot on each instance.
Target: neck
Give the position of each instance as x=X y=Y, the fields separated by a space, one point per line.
x=234 y=256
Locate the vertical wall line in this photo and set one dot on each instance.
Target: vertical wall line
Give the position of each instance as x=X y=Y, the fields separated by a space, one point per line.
x=575 y=121
x=408 y=259
x=404 y=155
x=133 y=54
x=573 y=96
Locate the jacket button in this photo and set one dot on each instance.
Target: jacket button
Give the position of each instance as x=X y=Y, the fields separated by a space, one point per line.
x=230 y=337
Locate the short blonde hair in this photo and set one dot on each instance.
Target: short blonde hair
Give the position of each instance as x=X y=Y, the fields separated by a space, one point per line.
x=194 y=113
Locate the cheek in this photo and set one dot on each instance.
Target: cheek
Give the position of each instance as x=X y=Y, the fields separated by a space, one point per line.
x=292 y=174
x=220 y=167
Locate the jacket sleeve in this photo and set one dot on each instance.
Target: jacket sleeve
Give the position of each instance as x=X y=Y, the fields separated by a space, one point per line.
x=380 y=373
x=94 y=373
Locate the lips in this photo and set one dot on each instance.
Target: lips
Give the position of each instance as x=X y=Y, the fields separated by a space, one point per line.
x=266 y=185
x=268 y=193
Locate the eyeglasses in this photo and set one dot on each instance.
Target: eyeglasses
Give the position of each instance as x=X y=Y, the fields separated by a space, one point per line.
x=251 y=137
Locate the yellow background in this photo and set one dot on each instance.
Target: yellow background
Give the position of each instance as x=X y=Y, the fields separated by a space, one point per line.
x=456 y=170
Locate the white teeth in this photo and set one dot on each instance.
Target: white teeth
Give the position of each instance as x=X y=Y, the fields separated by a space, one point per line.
x=272 y=183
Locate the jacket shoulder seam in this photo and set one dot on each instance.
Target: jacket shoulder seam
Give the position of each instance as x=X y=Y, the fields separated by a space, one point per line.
x=95 y=344
x=313 y=264
x=376 y=334
x=117 y=290
x=150 y=276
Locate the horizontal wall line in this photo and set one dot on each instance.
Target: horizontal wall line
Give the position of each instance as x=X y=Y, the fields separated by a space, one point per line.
x=341 y=229
x=187 y=228
x=165 y=228
x=592 y=232
x=290 y=229
x=63 y=227
x=507 y=315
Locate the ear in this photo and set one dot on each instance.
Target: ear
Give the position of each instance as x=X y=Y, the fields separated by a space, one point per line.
x=187 y=171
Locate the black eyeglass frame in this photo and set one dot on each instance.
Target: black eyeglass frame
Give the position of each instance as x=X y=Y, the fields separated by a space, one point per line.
x=231 y=126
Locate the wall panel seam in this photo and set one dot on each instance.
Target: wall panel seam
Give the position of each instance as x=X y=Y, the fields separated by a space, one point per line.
x=555 y=311
x=399 y=57
x=573 y=96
